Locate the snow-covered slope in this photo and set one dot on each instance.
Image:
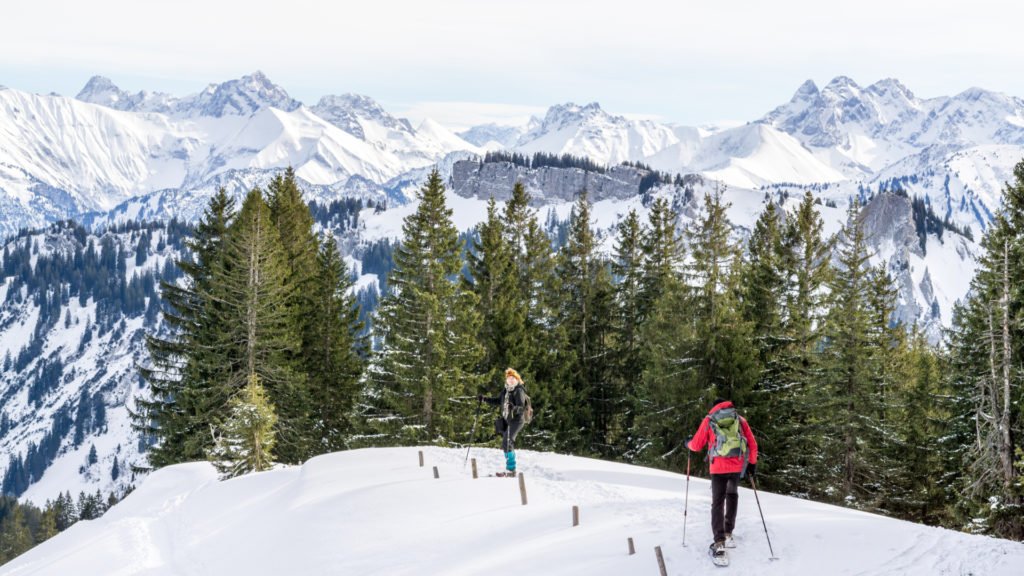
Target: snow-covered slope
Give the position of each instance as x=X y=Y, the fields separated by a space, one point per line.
x=375 y=511
x=69 y=376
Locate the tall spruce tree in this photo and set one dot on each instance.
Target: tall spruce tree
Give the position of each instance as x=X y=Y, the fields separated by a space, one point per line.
x=186 y=364
x=920 y=412
x=724 y=362
x=334 y=351
x=849 y=405
x=426 y=370
x=259 y=329
x=503 y=309
x=787 y=413
x=577 y=268
x=763 y=287
x=544 y=368
x=627 y=266
x=662 y=250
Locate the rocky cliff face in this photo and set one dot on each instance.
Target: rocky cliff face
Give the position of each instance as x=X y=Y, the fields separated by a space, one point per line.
x=472 y=179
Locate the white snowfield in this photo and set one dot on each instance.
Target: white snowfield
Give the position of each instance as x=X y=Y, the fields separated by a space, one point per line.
x=377 y=512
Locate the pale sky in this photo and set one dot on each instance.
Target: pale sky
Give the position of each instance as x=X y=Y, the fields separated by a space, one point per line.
x=468 y=61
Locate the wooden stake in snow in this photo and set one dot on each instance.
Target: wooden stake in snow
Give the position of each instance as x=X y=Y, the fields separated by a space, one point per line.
x=632 y=549
x=661 y=561
x=474 y=468
x=421 y=458
x=522 y=487
x=436 y=475
x=575 y=516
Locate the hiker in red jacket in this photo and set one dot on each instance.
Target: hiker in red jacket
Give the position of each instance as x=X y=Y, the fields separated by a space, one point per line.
x=732 y=450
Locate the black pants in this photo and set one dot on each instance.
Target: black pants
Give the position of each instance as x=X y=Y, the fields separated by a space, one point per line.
x=508 y=434
x=724 y=500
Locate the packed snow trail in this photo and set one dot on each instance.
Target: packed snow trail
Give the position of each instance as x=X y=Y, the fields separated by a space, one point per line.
x=377 y=512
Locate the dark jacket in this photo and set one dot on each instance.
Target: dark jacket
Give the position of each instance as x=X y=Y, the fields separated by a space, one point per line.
x=517 y=402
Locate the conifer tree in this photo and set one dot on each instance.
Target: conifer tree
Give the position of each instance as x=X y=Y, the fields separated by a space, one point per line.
x=15 y=537
x=786 y=413
x=335 y=350
x=662 y=251
x=496 y=282
x=260 y=334
x=426 y=370
x=187 y=363
x=987 y=343
x=849 y=404
x=47 y=524
x=917 y=488
x=724 y=362
x=585 y=320
x=245 y=441
x=627 y=266
x=764 y=287
x=544 y=366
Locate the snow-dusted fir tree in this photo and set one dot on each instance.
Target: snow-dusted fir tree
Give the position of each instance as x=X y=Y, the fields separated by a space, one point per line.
x=245 y=441
x=425 y=376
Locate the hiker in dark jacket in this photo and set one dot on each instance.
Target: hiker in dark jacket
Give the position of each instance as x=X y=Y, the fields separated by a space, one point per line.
x=510 y=421
x=732 y=450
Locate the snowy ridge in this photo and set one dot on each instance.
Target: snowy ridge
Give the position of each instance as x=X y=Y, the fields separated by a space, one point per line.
x=375 y=511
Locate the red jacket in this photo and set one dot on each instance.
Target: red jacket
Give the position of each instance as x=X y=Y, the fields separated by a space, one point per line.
x=724 y=465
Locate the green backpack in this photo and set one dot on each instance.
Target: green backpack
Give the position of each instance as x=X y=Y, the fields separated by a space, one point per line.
x=729 y=439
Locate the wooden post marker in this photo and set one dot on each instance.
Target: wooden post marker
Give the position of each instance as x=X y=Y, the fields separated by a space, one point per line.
x=661 y=561
x=474 y=468
x=436 y=475
x=421 y=458
x=632 y=549
x=575 y=516
x=522 y=487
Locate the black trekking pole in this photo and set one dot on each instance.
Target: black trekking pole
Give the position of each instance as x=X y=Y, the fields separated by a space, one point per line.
x=754 y=486
x=686 y=502
x=472 y=434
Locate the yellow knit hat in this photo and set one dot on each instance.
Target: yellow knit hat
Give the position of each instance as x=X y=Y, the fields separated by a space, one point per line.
x=514 y=374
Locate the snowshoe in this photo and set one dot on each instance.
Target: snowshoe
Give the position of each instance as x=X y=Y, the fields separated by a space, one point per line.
x=505 y=474
x=718 y=555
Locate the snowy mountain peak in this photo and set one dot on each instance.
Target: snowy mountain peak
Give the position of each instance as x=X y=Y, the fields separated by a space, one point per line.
x=842 y=86
x=807 y=91
x=562 y=115
x=241 y=97
x=100 y=90
x=350 y=111
x=892 y=88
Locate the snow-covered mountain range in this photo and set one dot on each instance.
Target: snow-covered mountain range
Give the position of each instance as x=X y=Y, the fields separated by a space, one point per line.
x=108 y=157
x=376 y=511
x=61 y=157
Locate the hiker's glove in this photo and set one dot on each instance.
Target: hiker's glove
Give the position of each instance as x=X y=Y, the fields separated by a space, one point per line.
x=688 y=440
x=751 y=470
